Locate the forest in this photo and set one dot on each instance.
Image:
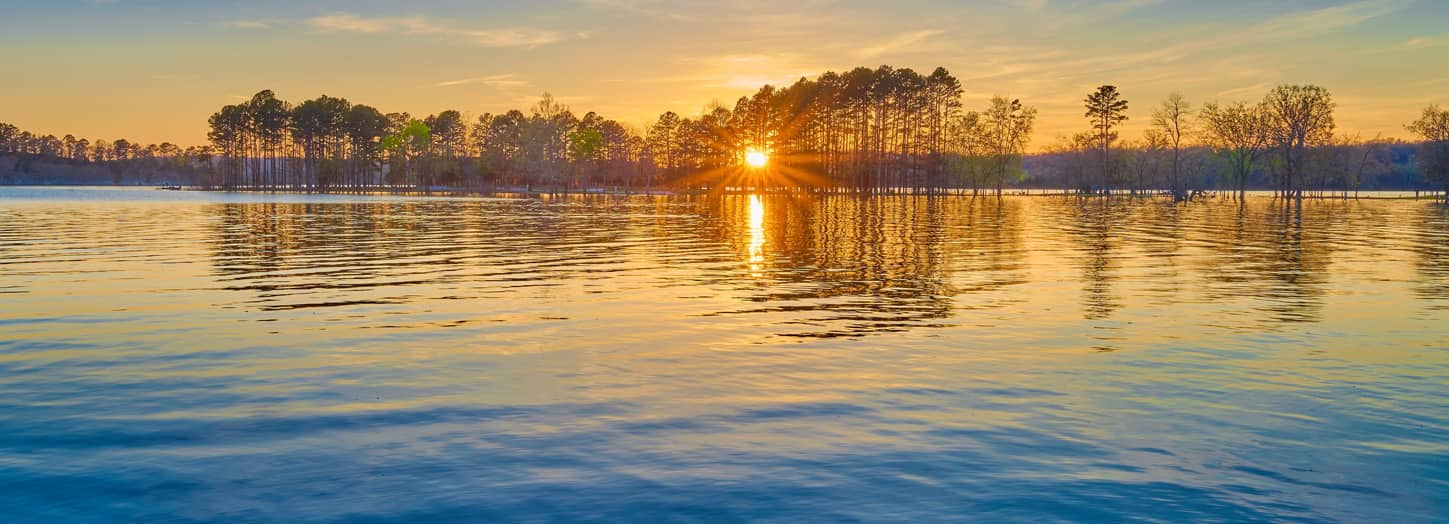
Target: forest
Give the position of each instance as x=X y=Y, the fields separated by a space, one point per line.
x=882 y=130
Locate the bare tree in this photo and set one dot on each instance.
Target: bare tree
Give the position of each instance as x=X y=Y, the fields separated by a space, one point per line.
x=1144 y=160
x=1300 y=117
x=1172 y=118
x=1433 y=126
x=1008 y=127
x=1238 y=132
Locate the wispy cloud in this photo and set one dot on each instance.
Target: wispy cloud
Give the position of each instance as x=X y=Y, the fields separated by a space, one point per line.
x=357 y=24
x=758 y=17
x=1244 y=91
x=1422 y=42
x=498 y=81
x=563 y=99
x=1319 y=21
x=649 y=8
x=739 y=71
x=1033 y=5
x=1431 y=82
x=899 y=42
x=1300 y=25
x=1058 y=17
x=1121 y=7
x=247 y=24
x=420 y=25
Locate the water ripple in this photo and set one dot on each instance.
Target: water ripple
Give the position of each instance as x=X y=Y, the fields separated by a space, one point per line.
x=246 y=357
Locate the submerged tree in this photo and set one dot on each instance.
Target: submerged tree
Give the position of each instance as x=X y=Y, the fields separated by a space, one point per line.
x=1106 y=109
x=1144 y=159
x=1433 y=127
x=1238 y=132
x=1007 y=125
x=968 y=150
x=1299 y=117
x=1172 y=118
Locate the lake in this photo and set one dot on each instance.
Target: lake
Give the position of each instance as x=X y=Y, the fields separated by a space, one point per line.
x=249 y=357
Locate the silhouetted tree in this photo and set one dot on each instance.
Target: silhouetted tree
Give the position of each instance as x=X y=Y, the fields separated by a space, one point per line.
x=366 y=127
x=405 y=146
x=1299 y=117
x=664 y=141
x=1433 y=127
x=1007 y=126
x=1172 y=118
x=449 y=136
x=1106 y=109
x=320 y=126
x=1239 y=133
x=268 y=120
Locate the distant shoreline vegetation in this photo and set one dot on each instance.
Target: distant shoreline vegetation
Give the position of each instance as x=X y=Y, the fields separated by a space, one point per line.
x=883 y=130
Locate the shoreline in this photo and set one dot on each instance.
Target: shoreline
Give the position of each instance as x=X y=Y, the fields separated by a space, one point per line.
x=441 y=191
x=524 y=192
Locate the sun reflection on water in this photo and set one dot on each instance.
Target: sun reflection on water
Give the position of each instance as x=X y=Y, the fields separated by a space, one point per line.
x=651 y=338
x=757 y=235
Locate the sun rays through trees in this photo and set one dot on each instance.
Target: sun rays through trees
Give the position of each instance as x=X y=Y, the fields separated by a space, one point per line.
x=866 y=130
x=882 y=130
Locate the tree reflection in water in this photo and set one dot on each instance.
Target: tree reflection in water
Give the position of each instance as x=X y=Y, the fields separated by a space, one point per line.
x=817 y=266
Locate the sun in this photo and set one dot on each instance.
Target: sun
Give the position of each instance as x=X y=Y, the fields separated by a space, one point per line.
x=756 y=158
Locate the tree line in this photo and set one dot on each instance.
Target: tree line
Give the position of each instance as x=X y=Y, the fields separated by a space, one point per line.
x=882 y=130
x=119 y=156
x=872 y=130
x=329 y=143
x=1286 y=142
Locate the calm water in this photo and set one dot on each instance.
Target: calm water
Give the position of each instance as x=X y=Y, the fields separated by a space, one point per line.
x=197 y=356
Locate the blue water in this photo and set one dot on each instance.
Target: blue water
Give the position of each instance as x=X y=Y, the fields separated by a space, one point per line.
x=188 y=356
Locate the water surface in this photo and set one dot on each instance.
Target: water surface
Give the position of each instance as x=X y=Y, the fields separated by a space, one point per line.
x=244 y=357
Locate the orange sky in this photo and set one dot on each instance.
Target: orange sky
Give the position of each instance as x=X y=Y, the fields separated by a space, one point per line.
x=153 y=71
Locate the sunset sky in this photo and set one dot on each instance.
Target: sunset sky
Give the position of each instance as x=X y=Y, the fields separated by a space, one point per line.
x=153 y=70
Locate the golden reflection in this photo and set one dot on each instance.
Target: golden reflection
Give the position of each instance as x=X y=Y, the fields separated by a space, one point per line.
x=757 y=235
x=836 y=266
